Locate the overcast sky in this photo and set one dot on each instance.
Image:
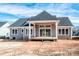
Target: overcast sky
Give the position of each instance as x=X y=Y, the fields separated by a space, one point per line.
x=12 y=11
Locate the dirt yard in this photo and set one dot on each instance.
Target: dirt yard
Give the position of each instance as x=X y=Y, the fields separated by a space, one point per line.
x=38 y=48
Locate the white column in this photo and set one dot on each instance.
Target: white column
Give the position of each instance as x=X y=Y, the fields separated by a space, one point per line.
x=24 y=33
x=56 y=30
x=34 y=31
x=29 y=30
x=51 y=30
x=71 y=32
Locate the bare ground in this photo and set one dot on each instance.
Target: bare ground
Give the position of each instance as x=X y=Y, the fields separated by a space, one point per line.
x=46 y=48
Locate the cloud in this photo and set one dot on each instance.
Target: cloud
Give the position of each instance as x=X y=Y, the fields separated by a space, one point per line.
x=28 y=10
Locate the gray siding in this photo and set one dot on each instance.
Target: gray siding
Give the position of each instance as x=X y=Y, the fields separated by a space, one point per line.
x=19 y=34
x=65 y=36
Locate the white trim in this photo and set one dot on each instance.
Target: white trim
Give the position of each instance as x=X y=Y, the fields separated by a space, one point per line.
x=56 y=30
x=64 y=26
x=43 y=21
x=71 y=33
x=29 y=30
x=44 y=38
x=34 y=30
x=21 y=27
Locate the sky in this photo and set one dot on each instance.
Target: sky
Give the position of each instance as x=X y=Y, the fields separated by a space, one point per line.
x=13 y=11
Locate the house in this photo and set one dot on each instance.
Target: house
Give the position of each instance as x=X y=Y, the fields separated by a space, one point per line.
x=4 y=30
x=75 y=31
x=41 y=26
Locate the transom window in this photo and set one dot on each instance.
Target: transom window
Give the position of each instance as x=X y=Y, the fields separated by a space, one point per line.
x=45 y=25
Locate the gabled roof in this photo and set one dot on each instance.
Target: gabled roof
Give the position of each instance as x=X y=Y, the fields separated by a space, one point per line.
x=64 y=21
x=43 y=16
x=2 y=23
x=19 y=22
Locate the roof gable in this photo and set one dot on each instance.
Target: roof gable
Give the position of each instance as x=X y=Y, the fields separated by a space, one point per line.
x=43 y=16
x=19 y=22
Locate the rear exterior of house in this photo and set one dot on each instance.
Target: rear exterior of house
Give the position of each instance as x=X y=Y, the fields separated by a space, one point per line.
x=41 y=26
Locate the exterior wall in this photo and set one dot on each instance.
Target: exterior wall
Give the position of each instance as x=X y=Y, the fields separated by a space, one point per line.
x=65 y=36
x=18 y=35
x=23 y=35
x=4 y=30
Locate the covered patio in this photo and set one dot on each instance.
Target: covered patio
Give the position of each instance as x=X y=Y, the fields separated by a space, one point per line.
x=43 y=30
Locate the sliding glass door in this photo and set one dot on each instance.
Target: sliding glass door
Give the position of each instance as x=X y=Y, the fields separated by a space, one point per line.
x=45 y=32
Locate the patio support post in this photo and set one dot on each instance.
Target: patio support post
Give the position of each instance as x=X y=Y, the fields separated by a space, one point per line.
x=29 y=30
x=71 y=32
x=34 y=30
x=56 y=30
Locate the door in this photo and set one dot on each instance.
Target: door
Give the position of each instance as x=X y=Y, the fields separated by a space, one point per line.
x=45 y=32
x=42 y=32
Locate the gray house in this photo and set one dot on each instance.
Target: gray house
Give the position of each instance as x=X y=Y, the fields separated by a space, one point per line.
x=42 y=26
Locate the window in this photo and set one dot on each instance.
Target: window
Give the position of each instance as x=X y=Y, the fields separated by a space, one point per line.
x=14 y=38
x=14 y=31
x=48 y=33
x=26 y=31
x=59 y=31
x=22 y=30
x=63 y=31
x=47 y=25
x=66 y=31
x=41 y=25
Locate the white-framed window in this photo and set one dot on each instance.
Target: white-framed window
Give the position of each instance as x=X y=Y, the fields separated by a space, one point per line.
x=14 y=31
x=22 y=30
x=26 y=31
x=31 y=31
x=63 y=31
x=66 y=31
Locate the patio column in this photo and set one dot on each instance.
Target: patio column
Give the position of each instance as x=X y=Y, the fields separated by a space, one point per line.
x=24 y=33
x=71 y=32
x=34 y=31
x=29 y=30
x=56 y=30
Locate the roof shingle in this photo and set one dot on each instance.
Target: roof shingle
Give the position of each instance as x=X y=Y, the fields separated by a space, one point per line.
x=64 y=21
x=43 y=16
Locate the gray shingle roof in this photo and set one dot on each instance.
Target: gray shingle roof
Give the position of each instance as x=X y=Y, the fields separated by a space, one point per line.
x=64 y=21
x=43 y=16
x=2 y=23
x=19 y=22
